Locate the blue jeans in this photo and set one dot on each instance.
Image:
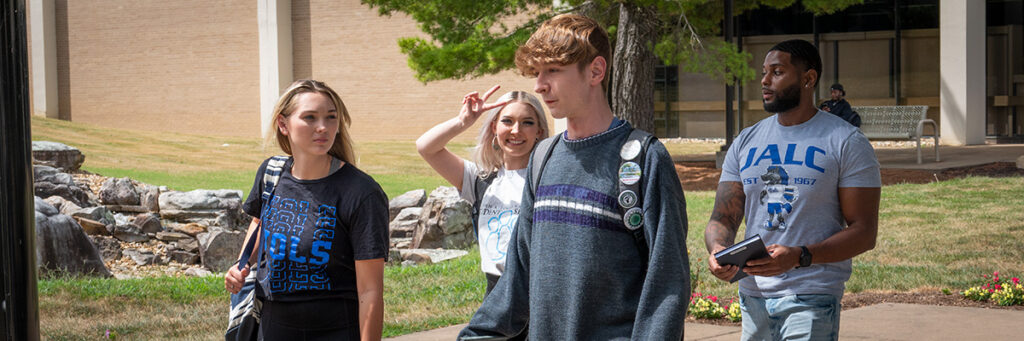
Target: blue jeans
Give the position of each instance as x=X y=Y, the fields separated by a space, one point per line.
x=794 y=317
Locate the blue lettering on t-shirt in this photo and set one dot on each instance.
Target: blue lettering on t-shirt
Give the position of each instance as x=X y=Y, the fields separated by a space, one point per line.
x=291 y=267
x=771 y=154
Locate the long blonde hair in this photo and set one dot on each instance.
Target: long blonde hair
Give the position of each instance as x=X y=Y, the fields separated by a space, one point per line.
x=286 y=105
x=487 y=158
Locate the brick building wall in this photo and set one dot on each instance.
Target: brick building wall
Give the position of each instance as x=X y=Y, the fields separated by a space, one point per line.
x=193 y=67
x=183 y=66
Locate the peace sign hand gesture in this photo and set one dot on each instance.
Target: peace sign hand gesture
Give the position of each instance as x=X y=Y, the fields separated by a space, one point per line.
x=473 y=106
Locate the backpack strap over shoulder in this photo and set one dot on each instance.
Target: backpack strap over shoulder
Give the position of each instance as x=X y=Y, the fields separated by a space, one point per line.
x=480 y=185
x=540 y=156
x=270 y=176
x=632 y=156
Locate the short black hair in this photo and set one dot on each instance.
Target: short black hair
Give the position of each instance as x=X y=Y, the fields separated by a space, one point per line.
x=801 y=53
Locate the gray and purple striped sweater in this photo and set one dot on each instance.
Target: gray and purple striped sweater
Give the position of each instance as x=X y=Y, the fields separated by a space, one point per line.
x=573 y=270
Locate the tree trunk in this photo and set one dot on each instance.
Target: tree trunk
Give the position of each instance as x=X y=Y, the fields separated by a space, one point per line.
x=632 y=89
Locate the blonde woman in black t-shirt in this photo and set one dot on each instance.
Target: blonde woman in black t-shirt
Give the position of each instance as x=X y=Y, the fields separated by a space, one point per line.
x=323 y=231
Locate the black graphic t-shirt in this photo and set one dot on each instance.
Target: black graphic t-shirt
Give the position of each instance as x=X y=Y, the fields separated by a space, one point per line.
x=315 y=230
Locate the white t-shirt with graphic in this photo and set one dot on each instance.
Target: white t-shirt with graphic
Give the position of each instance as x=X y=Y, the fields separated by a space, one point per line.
x=791 y=176
x=499 y=211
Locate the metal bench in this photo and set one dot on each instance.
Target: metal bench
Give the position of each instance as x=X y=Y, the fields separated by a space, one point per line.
x=897 y=123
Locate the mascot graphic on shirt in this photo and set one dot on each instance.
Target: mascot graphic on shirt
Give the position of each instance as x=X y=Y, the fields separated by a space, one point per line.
x=778 y=196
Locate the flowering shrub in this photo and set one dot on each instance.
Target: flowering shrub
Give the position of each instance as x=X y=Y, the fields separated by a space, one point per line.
x=1001 y=293
x=707 y=307
x=733 y=312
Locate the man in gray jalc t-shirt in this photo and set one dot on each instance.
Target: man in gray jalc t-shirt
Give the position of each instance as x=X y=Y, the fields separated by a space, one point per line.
x=808 y=183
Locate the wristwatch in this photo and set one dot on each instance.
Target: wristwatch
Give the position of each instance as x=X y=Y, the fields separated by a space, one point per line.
x=805 y=257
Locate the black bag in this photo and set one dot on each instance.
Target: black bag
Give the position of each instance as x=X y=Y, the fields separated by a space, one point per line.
x=244 y=318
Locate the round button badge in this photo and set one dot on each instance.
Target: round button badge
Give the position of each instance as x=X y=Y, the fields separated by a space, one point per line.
x=630 y=150
x=627 y=199
x=633 y=218
x=629 y=173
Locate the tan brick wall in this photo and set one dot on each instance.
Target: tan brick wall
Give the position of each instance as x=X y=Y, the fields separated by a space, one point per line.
x=193 y=66
x=356 y=52
x=184 y=66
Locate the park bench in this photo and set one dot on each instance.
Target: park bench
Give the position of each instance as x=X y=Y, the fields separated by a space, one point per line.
x=905 y=122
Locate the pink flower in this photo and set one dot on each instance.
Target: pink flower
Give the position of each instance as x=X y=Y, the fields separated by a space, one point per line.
x=1015 y=280
x=714 y=298
x=999 y=287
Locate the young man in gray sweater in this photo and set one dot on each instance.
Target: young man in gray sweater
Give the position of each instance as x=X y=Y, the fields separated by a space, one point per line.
x=574 y=270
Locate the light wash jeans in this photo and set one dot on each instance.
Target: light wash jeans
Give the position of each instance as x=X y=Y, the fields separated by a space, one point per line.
x=795 y=317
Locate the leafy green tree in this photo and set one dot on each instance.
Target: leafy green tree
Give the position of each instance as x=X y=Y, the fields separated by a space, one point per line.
x=472 y=38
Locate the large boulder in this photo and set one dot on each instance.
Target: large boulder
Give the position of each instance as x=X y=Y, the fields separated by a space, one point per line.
x=405 y=222
x=445 y=222
x=49 y=181
x=119 y=191
x=61 y=155
x=208 y=207
x=62 y=247
x=413 y=198
x=219 y=248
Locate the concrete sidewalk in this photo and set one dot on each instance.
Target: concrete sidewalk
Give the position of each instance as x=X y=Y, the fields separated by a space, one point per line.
x=886 y=321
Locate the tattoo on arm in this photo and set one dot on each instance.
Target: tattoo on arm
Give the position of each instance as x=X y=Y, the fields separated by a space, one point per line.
x=726 y=215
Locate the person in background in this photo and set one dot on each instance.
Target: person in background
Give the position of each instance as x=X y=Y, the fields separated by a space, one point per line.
x=839 y=106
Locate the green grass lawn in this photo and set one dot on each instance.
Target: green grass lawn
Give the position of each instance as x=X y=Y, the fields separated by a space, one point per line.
x=931 y=236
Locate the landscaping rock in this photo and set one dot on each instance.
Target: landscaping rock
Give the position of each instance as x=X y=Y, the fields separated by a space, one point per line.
x=405 y=222
x=445 y=222
x=190 y=245
x=435 y=255
x=149 y=197
x=219 y=248
x=417 y=258
x=208 y=207
x=191 y=229
x=1020 y=162
x=142 y=257
x=119 y=191
x=166 y=236
x=413 y=198
x=96 y=213
x=109 y=247
x=149 y=223
x=61 y=155
x=129 y=233
x=197 y=272
x=62 y=247
x=92 y=227
x=49 y=181
x=183 y=257
x=63 y=205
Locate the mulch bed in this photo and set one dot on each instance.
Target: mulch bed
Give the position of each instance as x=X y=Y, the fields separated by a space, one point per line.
x=703 y=176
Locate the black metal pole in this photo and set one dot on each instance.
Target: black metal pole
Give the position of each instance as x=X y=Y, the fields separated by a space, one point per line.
x=729 y=90
x=817 y=46
x=17 y=208
x=898 y=56
x=739 y=87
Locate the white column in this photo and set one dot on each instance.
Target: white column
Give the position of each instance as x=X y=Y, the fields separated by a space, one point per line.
x=43 y=58
x=962 y=71
x=275 y=32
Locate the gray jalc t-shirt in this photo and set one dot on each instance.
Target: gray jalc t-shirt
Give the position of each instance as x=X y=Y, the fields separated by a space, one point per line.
x=791 y=176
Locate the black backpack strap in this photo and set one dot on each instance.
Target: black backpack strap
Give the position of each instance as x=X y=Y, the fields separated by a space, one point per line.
x=270 y=176
x=543 y=150
x=480 y=185
x=631 y=174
